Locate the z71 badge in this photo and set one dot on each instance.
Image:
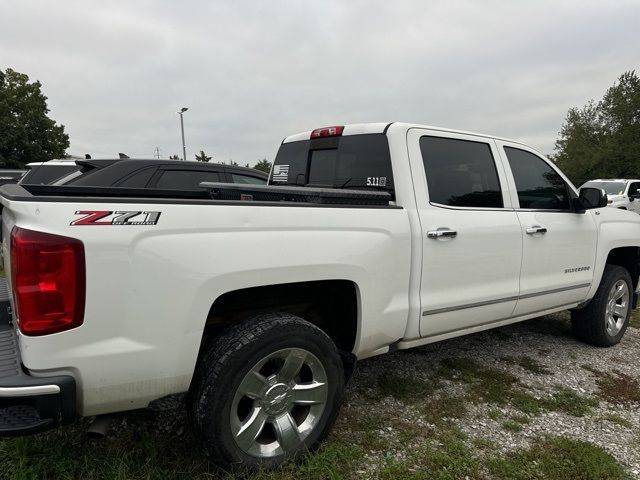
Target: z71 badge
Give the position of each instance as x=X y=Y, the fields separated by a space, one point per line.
x=104 y=217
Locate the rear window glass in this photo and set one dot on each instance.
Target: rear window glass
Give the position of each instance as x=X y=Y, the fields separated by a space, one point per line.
x=46 y=174
x=352 y=161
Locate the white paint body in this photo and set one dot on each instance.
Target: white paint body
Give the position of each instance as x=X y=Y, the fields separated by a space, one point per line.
x=150 y=287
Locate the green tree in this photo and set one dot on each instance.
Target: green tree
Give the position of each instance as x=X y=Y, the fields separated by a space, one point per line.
x=27 y=134
x=174 y=157
x=202 y=157
x=263 y=165
x=602 y=139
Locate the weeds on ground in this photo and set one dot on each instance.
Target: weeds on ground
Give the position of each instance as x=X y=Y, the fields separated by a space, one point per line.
x=557 y=458
x=618 y=387
x=498 y=387
x=617 y=420
x=528 y=364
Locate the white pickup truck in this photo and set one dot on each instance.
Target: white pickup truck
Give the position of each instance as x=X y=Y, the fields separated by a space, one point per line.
x=258 y=300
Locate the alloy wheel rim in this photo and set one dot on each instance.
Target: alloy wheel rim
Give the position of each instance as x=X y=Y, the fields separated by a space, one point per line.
x=617 y=307
x=278 y=403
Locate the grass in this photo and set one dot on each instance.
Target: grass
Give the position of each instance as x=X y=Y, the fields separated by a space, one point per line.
x=618 y=388
x=557 y=458
x=490 y=385
x=407 y=389
x=528 y=364
x=634 y=321
x=617 y=420
x=567 y=401
x=512 y=426
x=68 y=454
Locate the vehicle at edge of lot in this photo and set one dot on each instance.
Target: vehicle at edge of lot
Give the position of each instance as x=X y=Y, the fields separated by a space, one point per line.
x=139 y=173
x=258 y=300
x=621 y=193
x=8 y=175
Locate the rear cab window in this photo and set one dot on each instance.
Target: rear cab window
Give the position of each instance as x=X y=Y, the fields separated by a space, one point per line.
x=358 y=161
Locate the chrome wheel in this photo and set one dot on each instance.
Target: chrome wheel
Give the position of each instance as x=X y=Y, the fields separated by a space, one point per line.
x=278 y=403
x=617 y=307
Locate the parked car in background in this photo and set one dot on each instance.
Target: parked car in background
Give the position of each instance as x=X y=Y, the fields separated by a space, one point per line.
x=10 y=176
x=142 y=174
x=45 y=173
x=622 y=194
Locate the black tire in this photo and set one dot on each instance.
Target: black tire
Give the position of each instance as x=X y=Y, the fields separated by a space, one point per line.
x=228 y=360
x=589 y=324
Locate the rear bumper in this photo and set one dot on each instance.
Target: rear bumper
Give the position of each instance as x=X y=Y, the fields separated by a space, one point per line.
x=28 y=404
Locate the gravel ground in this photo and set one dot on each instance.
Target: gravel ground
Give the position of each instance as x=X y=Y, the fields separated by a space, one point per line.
x=568 y=363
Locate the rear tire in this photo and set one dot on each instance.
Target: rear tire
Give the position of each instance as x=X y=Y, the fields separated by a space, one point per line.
x=269 y=390
x=605 y=319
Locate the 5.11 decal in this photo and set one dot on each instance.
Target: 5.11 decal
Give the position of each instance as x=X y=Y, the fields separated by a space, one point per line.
x=107 y=217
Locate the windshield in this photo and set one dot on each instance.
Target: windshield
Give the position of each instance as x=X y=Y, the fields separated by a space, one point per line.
x=610 y=188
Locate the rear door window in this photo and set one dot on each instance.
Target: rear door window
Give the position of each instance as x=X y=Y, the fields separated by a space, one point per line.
x=351 y=161
x=460 y=173
x=185 y=179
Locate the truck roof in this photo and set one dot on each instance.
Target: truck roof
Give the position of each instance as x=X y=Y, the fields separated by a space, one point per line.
x=382 y=127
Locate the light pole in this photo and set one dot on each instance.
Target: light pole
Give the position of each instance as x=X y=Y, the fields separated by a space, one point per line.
x=184 y=148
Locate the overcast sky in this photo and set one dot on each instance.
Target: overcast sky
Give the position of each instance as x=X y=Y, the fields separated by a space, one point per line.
x=251 y=73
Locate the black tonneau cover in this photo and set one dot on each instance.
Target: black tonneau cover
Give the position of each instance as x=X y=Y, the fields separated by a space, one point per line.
x=224 y=192
x=276 y=193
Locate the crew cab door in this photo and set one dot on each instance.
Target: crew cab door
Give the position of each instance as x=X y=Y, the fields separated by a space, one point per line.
x=471 y=237
x=559 y=245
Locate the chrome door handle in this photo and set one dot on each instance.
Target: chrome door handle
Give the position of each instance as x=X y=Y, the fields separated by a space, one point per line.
x=442 y=233
x=536 y=229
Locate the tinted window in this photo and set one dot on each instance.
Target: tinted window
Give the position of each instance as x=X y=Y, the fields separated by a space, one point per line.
x=247 y=179
x=185 y=179
x=139 y=179
x=352 y=161
x=539 y=186
x=46 y=174
x=460 y=173
x=634 y=188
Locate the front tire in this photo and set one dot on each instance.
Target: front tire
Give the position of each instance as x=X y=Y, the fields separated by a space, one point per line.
x=603 y=322
x=269 y=391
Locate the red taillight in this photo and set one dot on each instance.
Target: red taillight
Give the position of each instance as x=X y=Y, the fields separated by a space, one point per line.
x=327 y=132
x=48 y=281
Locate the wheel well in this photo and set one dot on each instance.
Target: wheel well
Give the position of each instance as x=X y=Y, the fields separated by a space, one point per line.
x=622 y=208
x=331 y=305
x=629 y=258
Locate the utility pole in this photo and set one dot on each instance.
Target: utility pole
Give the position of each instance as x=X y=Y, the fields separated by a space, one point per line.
x=184 y=148
x=156 y=153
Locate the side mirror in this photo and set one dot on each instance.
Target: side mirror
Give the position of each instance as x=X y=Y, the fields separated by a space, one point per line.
x=591 y=198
